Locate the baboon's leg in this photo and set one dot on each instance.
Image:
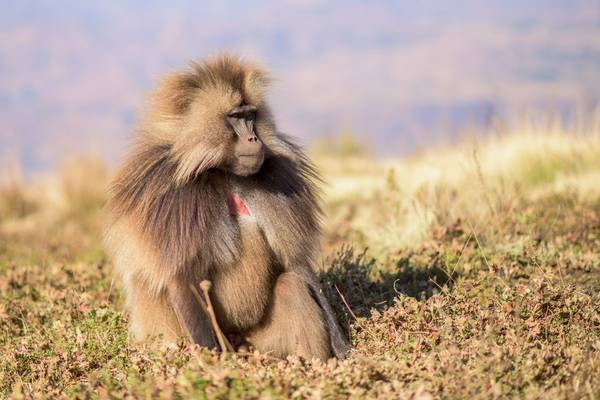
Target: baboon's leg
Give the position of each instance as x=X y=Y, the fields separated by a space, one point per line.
x=294 y=324
x=150 y=314
x=339 y=344
x=172 y=314
x=190 y=315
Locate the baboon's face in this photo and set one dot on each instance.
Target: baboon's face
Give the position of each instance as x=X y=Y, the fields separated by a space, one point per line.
x=225 y=124
x=247 y=149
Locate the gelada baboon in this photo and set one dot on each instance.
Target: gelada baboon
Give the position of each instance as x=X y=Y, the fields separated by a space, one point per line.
x=211 y=191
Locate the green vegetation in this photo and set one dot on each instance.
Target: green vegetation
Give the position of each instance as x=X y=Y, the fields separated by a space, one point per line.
x=467 y=272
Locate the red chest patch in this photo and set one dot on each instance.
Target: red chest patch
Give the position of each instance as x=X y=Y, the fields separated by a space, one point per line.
x=236 y=205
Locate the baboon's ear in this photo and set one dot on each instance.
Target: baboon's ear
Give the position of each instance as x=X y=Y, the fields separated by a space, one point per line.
x=175 y=93
x=256 y=82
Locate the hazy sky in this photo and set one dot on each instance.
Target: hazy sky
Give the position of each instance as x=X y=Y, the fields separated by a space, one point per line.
x=73 y=73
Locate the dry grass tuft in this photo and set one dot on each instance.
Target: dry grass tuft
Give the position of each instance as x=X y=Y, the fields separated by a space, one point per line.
x=478 y=181
x=14 y=202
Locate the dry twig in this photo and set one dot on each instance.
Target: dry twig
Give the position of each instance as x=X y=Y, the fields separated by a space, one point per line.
x=208 y=308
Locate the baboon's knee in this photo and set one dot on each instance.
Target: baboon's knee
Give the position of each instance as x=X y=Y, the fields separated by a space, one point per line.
x=295 y=324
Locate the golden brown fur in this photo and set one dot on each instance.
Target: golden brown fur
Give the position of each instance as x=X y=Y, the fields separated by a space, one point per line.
x=171 y=226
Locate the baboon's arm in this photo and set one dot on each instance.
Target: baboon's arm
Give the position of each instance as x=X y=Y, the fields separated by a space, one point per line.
x=192 y=319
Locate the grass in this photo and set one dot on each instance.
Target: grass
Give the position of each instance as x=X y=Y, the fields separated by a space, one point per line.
x=470 y=271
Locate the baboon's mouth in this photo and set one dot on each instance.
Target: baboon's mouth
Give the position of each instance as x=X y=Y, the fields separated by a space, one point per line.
x=248 y=163
x=256 y=158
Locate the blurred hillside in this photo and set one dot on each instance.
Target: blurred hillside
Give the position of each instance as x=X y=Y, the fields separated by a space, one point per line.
x=73 y=74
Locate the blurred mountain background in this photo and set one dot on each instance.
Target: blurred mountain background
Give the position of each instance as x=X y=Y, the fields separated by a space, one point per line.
x=399 y=75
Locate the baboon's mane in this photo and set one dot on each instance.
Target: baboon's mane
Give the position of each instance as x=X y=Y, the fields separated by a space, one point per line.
x=184 y=222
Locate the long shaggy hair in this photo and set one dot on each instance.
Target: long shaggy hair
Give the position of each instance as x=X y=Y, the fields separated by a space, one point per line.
x=172 y=190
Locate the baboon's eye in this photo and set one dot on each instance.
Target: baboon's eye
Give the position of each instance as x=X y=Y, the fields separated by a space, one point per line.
x=246 y=112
